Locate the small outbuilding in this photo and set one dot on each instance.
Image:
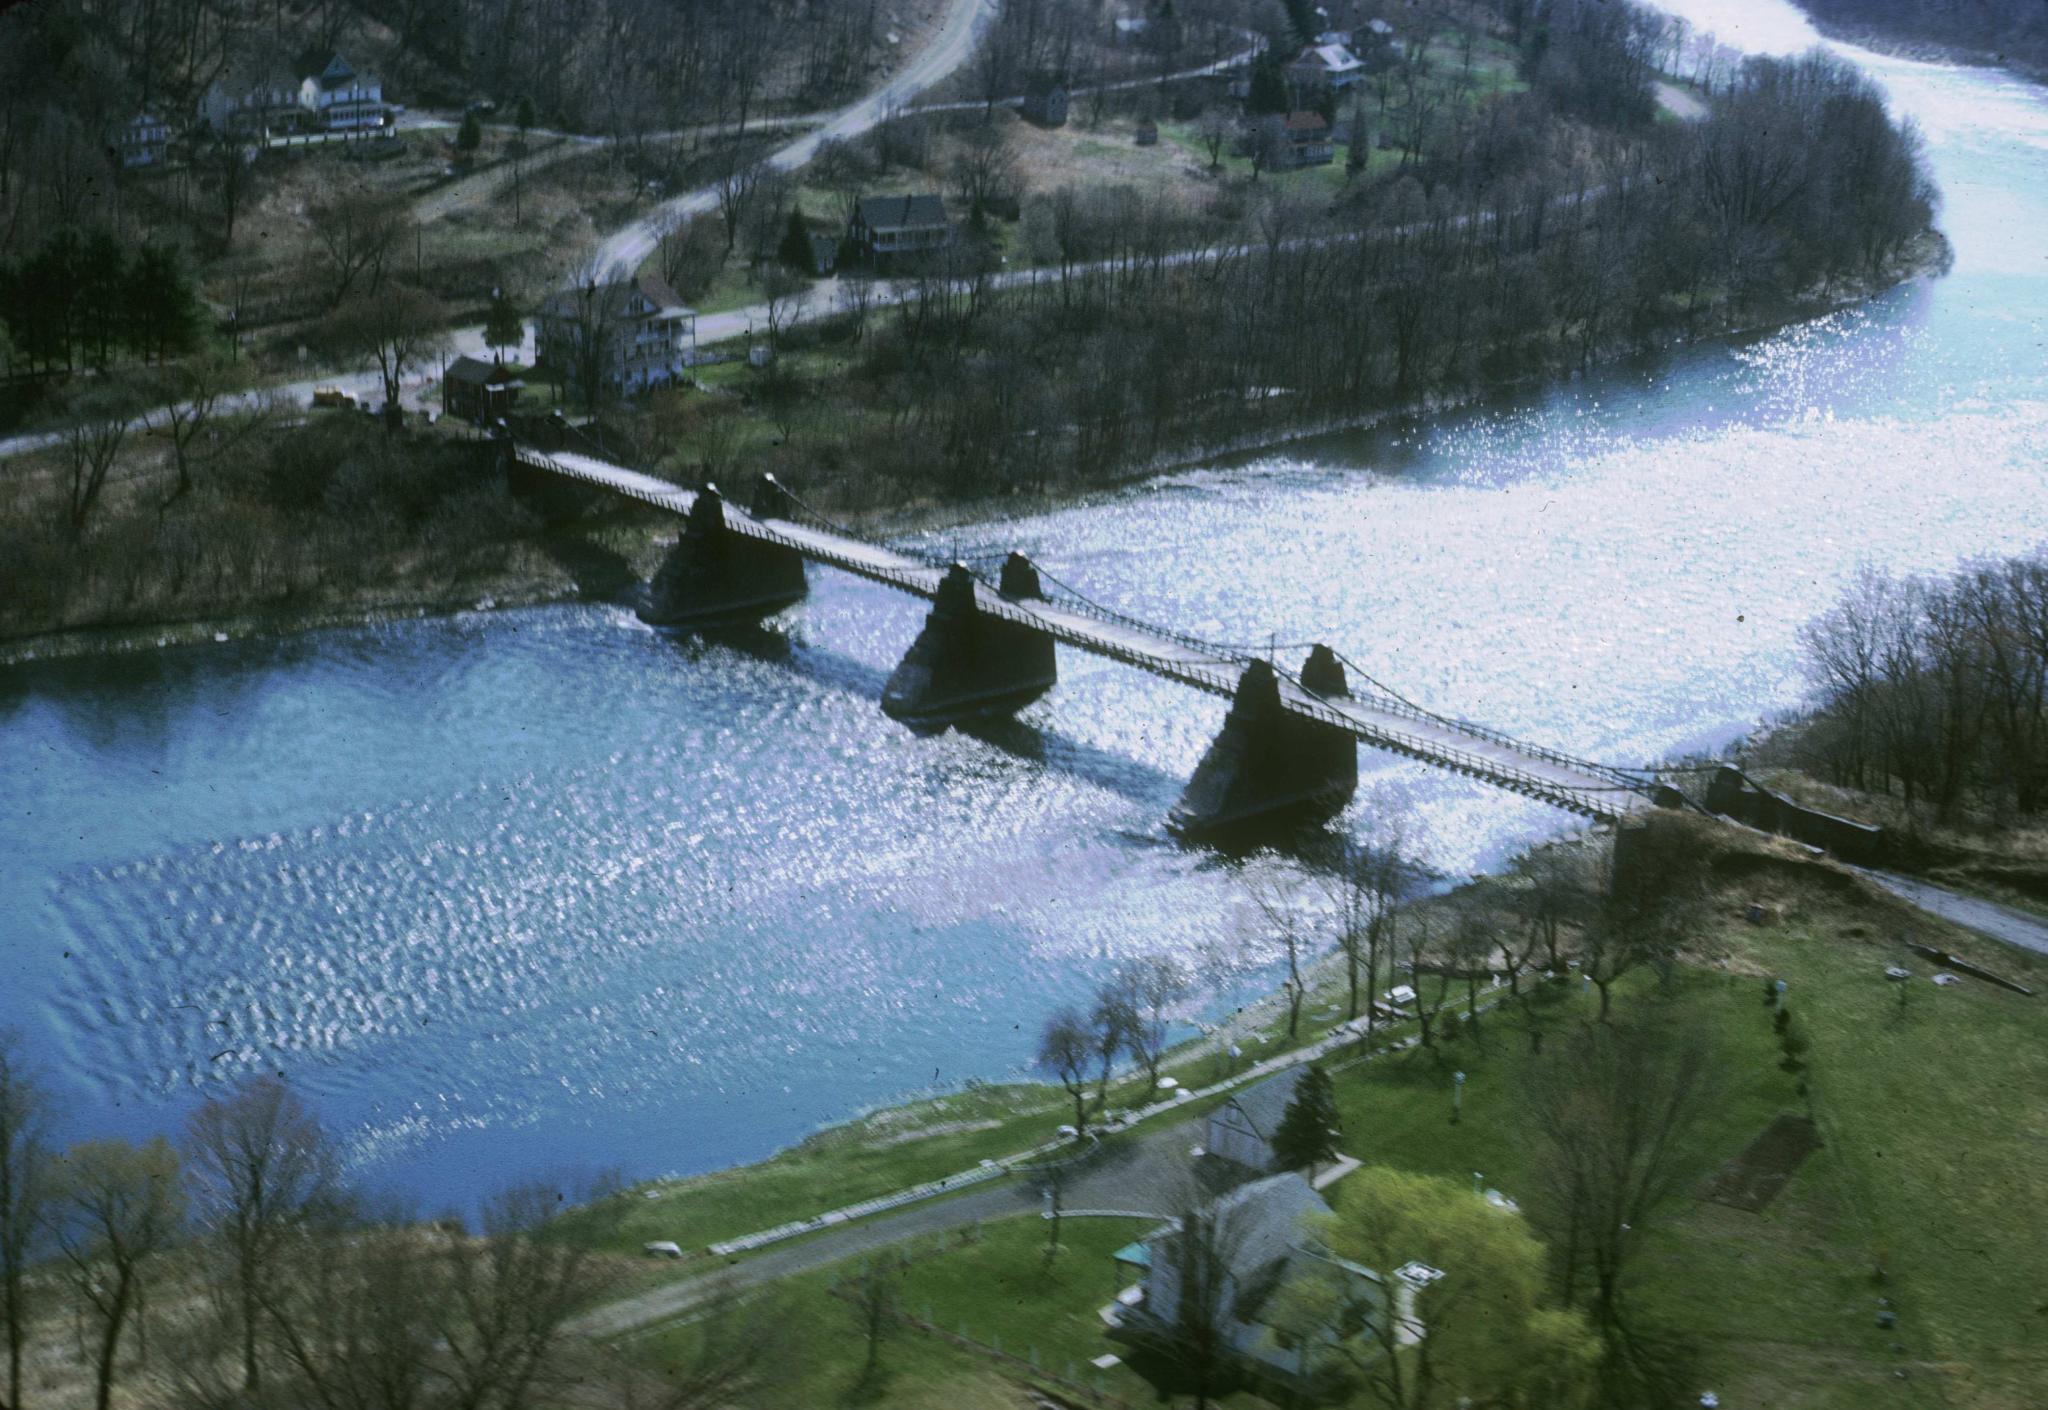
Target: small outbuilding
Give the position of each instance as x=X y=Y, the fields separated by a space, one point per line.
x=476 y=390
x=1148 y=133
x=1045 y=103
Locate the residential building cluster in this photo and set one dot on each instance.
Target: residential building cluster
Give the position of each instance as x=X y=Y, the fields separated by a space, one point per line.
x=261 y=100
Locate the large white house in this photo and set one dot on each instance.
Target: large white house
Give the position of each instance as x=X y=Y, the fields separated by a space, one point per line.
x=143 y=140
x=1263 y=1236
x=339 y=99
x=1325 y=66
x=637 y=329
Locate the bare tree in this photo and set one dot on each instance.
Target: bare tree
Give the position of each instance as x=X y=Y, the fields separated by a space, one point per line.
x=202 y=384
x=875 y=1300
x=25 y=1193
x=397 y=328
x=118 y=1208
x=1213 y=129
x=355 y=234
x=737 y=1352
x=1111 y=1021
x=1202 y=1255
x=1065 y=1049
x=1613 y=1111
x=259 y=1167
x=91 y=445
x=1155 y=985
x=785 y=295
x=736 y=185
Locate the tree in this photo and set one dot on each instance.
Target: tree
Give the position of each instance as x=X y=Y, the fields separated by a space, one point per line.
x=396 y=328
x=795 y=250
x=1110 y=1023
x=1064 y=1050
x=163 y=314
x=735 y=187
x=1491 y=1335
x=1268 y=93
x=202 y=383
x=470 y=135
x=91 y=445
x=1202 y=1255
x=259 y=1168
x=1155 y=985
x=504 y=326
x=1310 y=1127
x=1614 y=1112
x=118 y=1207
x=26 y=1191
x=875 y=1300
x=692 y=255
x=735 y=1351
x=354 y=234
x=1213 y=129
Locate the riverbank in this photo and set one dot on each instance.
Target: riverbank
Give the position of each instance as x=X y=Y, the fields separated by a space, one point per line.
x=535 y=566
x=1751 y=1258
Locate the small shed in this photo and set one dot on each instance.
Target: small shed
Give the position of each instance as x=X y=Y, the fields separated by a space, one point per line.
x=1046 y=103
x=1148 y=133
x=824 y=254
x=474 y=389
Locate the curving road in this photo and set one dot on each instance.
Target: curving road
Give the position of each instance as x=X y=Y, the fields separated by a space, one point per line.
x=950 y=47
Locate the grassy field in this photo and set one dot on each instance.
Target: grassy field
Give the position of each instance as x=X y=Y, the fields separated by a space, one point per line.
x=1933 y=1116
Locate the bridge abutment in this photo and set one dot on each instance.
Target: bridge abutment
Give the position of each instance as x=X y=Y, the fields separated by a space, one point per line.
x=715 y=575
x=1271 y=768
x=966 y=663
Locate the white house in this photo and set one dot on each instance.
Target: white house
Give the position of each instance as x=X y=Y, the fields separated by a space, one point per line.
x=1262 y=1235
x=143 y=140
x=1322 y=66
x=339 y=99
x=638 y=329
x=1241 y=1130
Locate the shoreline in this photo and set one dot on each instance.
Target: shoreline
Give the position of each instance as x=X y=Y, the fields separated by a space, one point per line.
x=1932 y=256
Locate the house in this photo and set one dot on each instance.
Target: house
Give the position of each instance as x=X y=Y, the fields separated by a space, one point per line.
x=337 y=98
x=636 y=328
x=143 y=140
x=1264 y=1235
x=1325 y=68
x=251 y=98
x=1045 y=103
x=475 y=390
x=1308 y=140
x=1241 y=1130
x=824 y=254
x=1127 y=30
x=886 y=228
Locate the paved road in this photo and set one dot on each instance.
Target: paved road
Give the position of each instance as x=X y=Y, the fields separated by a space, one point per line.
x=1146 y=1174
x=950 y=46
x=2014 y=927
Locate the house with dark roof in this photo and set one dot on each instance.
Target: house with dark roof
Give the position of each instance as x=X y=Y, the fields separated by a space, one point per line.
x=885 y=229
x=1264 y=1236
x=1241 y=1130
x=251 y=97
x=1309 y=140
x=636 y=329
x=337 y=97
x=1045 y=103
x=475 y=390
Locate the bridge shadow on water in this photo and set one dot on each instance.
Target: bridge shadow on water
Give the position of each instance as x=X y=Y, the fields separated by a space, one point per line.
x=1021 y=740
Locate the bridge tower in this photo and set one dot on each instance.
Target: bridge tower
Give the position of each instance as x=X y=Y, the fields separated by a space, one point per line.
x=967 y=663
x=715 y=575
x=1270 y=767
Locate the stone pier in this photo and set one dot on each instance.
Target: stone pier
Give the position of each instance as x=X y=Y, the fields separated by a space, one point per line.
x=1269 y=768
x=966 y=664
x=714 y=575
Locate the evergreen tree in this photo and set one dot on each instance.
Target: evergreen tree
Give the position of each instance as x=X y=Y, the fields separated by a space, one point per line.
x=524 y=116
x=1310 y=1127
x=796 y=243
x=162 y=312
x=470 y=135
x=100 y=315
x=1269 y=86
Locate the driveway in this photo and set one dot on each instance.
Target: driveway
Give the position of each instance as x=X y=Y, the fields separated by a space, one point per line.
x=1988 y=918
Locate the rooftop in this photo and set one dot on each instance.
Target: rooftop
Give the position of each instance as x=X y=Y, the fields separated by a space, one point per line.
x=907 y=212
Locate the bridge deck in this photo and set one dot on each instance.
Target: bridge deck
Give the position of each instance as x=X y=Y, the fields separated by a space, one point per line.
x=1381 y=721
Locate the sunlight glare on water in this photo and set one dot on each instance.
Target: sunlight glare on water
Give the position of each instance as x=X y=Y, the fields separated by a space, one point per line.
x=519 y=892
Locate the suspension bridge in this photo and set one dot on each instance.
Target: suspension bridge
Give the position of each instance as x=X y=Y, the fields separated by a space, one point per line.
x=1287 y=749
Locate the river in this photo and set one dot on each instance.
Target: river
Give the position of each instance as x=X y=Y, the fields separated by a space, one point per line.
x=530 y=892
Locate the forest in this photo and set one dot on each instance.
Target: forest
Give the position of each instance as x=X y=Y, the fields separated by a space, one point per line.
x=2009 y=31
